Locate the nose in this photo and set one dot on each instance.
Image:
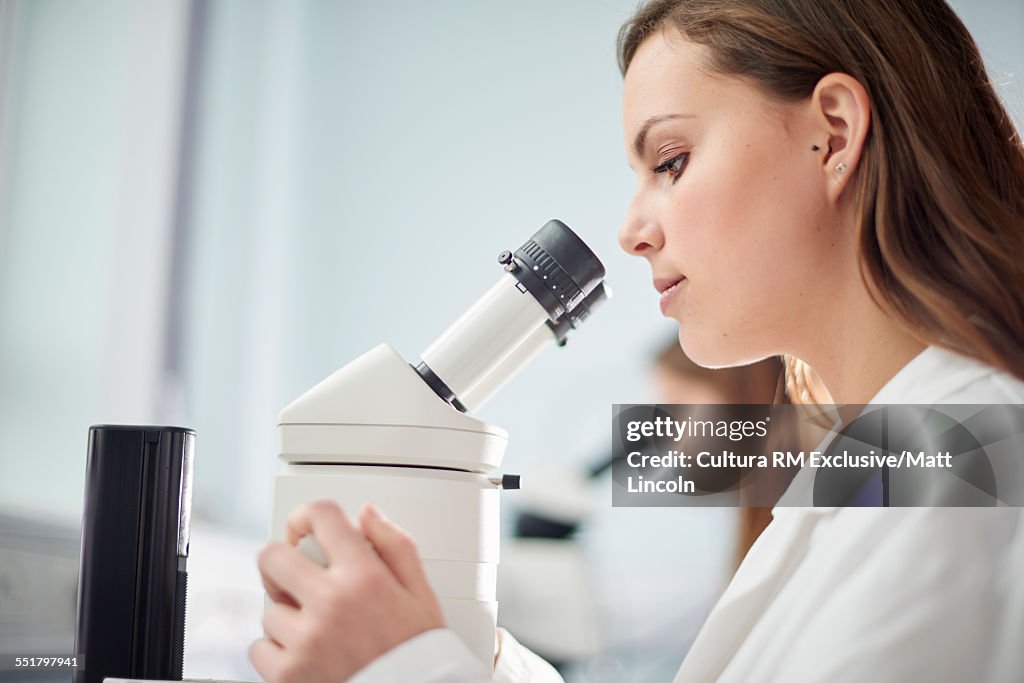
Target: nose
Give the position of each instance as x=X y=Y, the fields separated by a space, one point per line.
x=640 y=234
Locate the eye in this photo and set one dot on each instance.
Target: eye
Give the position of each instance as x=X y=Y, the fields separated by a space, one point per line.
x=674 y=166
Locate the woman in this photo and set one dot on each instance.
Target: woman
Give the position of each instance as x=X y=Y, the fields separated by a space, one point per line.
x=832 y=181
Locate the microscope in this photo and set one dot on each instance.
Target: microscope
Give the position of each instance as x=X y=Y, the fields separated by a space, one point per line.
x=385 y=431
x=399 y=435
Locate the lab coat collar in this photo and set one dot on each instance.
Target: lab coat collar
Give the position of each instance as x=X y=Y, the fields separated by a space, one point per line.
x=931 y=377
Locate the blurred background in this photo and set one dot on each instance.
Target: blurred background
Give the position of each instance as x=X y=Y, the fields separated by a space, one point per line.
x=207 y=206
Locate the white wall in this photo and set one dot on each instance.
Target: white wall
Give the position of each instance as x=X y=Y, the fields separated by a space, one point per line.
x=998 y=27
x=342 y=148
x=371 y=160
x=90 y=117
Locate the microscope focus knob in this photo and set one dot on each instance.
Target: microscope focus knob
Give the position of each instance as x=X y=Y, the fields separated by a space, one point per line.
x=507 y=481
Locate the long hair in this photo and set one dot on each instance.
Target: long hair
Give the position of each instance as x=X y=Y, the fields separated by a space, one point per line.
x=940 y=185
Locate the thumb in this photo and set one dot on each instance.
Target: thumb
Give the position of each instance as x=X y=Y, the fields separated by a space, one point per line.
x=397 y=549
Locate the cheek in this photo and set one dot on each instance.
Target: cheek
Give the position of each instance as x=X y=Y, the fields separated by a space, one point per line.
x=714 y=199
x=742 y=322
x=753 y=251
x=732 y=230
x=724 y=204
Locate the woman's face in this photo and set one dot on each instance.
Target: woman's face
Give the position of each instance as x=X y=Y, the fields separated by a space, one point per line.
x=729 y=197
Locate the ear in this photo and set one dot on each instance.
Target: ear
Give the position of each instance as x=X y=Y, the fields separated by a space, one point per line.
x=842 y=109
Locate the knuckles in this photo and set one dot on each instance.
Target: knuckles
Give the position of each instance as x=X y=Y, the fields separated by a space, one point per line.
x=330 y=601
x=399 y=539
x=268 y=554
x=348 y=591
x=302 y=516
x=254 y=651
x=292 y=670
x=370 y=581
x=309 y=635
x=325 y=508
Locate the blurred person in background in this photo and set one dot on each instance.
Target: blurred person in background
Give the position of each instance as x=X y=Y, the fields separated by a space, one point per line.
x=582 y=618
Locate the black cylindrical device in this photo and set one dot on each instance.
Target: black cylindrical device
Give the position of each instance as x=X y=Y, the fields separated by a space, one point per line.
x=135 y=535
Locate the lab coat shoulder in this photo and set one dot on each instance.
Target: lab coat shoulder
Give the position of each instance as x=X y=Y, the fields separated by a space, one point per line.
x=890 y=594
x=941 y=376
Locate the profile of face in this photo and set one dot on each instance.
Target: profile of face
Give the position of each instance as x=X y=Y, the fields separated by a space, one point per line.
x=745 y=225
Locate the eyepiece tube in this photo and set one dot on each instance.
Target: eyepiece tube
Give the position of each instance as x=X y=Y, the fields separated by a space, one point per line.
x=546 y=278
x=540 y=339
x=481 y=338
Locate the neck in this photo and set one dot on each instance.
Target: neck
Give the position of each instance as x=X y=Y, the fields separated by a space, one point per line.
x=860 y=350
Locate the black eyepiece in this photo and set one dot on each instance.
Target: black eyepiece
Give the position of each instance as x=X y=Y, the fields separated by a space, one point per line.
x=556 y=267
x=577 y=315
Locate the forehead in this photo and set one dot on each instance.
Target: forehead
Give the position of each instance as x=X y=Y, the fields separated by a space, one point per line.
x=670 y=75
x=665 y=54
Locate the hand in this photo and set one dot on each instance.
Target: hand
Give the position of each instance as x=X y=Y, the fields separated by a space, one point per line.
x=326 y=623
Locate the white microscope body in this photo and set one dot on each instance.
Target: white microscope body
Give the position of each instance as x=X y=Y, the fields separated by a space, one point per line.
x=380 y=430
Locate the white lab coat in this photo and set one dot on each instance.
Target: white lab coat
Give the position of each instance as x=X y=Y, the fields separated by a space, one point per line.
x=837 y=594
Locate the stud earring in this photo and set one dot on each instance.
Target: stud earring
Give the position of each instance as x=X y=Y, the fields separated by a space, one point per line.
x=840 y=168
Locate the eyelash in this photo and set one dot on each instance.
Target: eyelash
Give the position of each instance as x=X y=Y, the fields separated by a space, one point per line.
x=667 y=167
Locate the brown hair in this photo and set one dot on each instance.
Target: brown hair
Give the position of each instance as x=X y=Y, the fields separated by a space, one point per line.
x=940 y=186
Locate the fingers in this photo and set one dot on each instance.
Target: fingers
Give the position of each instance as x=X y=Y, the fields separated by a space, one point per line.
x=288 y=576
x=324 y=519
x=397 y=549
x=282 y=624
x=372 y=596
x=344 y=544
x=278 y=594
x=266 y=658
x=274 y=591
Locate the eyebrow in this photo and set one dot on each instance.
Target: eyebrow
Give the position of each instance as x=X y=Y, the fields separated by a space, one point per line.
x=641 y=137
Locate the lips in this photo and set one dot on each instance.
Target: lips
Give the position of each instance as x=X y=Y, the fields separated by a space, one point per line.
x=663 y=284
x=668 y=287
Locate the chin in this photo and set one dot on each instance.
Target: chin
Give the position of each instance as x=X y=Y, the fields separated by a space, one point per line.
x=710 y=350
